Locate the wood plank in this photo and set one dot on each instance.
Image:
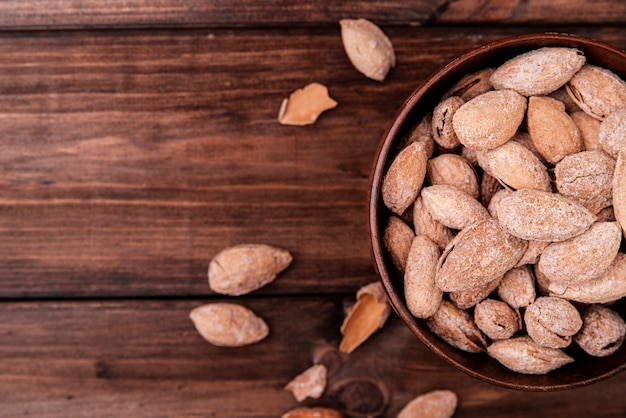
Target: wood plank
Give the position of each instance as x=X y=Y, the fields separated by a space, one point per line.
x=64 y=14
x=143 y=358
x=129 y=159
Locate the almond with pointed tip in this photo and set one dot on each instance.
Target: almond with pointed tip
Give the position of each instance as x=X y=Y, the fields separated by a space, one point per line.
x=368 y=48
x=597 y=91
x=433 y=404
x=420 y=291
x=453 y=170
x=523 y=355
x=457 y=328
x=404 y=178
x=452 y=207
x=228 y=324
x=305 y=105
x=243 y=268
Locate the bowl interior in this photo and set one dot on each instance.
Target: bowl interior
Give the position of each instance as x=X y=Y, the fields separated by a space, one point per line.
x=585 y=369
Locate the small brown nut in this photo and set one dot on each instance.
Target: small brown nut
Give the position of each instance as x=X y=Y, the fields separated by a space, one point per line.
x=489 y=120
x=496 y=319
x=404 y=178
x=442 y=130
x=314 y=412
x=243 y=268
x=420 y=133
x=368 y=48
x=602 y=333
x=538 y=72
x=453 y=170
x=466 y=299
x=552 y=321
x=612 y=134
x=305 y=105
x=586 y=177
x=517 y=287
x=516 y=167
x=609 y=287
x=471 y=85
x=452 y=207
x=424 y=224
x=369 y=313
x=589 y=129
x=478 y=255
x=619 y=191
x=397 y=239
x=523 y=355
x=457 y=328
x=542 y=216
x=422 y=295
x=597 y=91
x=434 y=404
x=311 y=383
x=553 y=132
x=583 y=257
x=228 y=324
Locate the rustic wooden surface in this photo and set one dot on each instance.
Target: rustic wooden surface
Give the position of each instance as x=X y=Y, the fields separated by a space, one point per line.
x=139 y=138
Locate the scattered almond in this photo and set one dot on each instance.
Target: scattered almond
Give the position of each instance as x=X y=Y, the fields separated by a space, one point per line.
x=368 y=48
x=305 y=105
x=228 y=324
x=434 y=404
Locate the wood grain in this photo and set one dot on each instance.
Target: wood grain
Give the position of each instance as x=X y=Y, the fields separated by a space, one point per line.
x=143 y=358
x=130 y=159
x=115 y=14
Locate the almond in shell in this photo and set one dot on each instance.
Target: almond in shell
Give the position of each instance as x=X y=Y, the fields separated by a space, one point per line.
x=523 y=355
x=397 y=239
x=603 y=331
x=453 y=170
x=228 y=324
x=434 y=404
x=589 y=129
x=457 y=328
x=442 y=130
x=368 y=48
x=422 y=295
x=243 y=268
x=404 y=178
x=466 y=299
x=597 y=91
x=471 y=85
x=452 y=207
x=312 y=412
x=542 y=216
x=612 y=134
x=478 y=255
x=424 y=224
x=553 y=132
x=489 y=120
x=538 y=72
x=552 y=321
x=496 y=319
x=517 y=287
x=619 y=191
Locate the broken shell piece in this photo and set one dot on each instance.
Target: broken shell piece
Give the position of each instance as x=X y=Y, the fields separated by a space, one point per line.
x=305 y=105
x=434 y=404
x=368 y=48
x=311 y=383
x=368 y=314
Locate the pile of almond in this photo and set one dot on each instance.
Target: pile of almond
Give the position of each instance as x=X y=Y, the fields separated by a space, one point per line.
x=508 y=210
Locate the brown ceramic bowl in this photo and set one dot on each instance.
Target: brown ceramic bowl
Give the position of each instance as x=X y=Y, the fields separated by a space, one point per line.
x=585 y=369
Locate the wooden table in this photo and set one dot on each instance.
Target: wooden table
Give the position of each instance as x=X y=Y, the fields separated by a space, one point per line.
x=139 y=138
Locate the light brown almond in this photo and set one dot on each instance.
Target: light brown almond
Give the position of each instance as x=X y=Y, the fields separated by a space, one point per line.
x=305 y=105
x=612 y=134
x=496 y=319
x=424 y=224
x=420 y=133
x=542 y=216
x=453 y=170
x=597 y=91
x=228 y=324
x=478 y=255
x=589 y=129
x=434 y=404
x=311 y=383
x=243 y=268
x=313 y=412
x=586 y=177
x=553 y=132
x=538 y=72
x=369 y=313
x=619 y=191
x=442 y=130
x=603 y=331
x=422 y=295
x=404 y=178
x=534 y=250
x=471 y=85
x=583 y=257
x=516 y=167
x=466 y=299
x=517 y=287
x=457 y=328
x=397 y=239
x=552 y=321
x=452 y=207
x=368 y=48
x=523 y=355
x=489 y=120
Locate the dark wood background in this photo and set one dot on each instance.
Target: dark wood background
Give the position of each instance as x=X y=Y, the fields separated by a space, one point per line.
x=139 y=138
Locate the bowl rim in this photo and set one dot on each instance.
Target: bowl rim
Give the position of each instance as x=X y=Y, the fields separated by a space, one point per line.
x=388 y=140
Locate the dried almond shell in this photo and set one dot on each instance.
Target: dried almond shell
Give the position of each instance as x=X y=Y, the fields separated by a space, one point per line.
x=523 y=355
x=597 y=91
x=397 y=239
x=442 y=130
x=453 y=170
x=457 y=328
x=228 y=324
x=603 y=331
x=305 y=105
x=311 y=383
x=424 y=224
x=496 y=319
x=517 y=287
x=403 y=180
x=589 y=129
x=612 y=134
x=368 y=48
x=452 y=207
x=433 y=404
x=552 y=321
x=368 y=314
x=243 y=268
x=313 y=412
x=422 y=295
x=619 y=191
x=465 y=299
x=471 y=85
